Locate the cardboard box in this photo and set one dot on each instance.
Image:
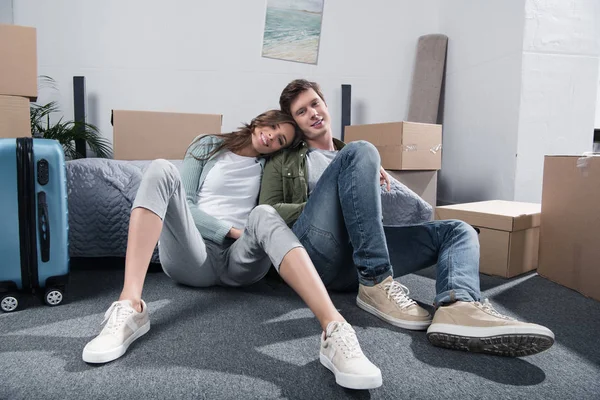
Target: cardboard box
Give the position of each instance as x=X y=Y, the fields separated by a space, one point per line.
x=508 y=233
x=423 y=183
x=14 y=117
x=570 y=226
x=148 y=135
x=402 y=145
x=18 y=61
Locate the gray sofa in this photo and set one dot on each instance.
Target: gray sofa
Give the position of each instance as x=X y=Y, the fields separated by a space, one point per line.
x=101 y=192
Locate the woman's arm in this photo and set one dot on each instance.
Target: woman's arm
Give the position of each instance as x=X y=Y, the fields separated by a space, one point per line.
x=209 y=227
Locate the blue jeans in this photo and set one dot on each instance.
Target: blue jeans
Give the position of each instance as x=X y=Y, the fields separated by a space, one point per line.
x=341 y=229
x=452 y=245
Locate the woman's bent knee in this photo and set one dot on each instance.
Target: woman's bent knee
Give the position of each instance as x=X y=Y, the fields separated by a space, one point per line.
x=161 y=171
x=263 y=212
x=162 y=167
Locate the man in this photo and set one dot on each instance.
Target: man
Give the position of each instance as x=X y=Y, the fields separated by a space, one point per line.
x=329 y=193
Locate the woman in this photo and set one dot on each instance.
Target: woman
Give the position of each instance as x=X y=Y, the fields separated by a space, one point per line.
x=212 y=233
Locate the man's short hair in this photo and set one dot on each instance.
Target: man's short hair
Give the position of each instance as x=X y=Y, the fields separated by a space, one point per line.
x=294 y=89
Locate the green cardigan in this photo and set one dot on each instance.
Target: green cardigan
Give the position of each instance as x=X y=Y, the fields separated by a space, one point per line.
x=193 y=174
x=284 y=185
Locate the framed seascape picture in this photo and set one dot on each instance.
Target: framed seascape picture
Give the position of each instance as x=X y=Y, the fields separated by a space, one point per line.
x=293 y=30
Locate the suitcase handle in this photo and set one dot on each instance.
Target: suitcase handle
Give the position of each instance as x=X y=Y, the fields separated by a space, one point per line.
x=43 y=226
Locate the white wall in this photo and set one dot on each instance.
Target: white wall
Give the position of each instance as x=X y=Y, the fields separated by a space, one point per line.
x=6 y=12
x=521 y=82
x=559 y=86
x=482 y=98
x=205 y=56
x=597 y=124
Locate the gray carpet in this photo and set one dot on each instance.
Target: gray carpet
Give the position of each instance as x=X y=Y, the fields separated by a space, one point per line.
x=262 y=342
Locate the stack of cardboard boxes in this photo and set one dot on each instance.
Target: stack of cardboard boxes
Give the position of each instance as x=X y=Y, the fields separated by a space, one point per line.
x=411 y=152
x=570 y=225
x=18 y=79
x=509 y=233
x=560 y=238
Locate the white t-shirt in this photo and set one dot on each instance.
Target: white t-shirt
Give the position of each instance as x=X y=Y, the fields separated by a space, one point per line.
x=230 y=190
x=317 y=161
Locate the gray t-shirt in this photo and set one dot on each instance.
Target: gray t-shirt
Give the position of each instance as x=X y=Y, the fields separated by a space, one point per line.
x=317 y=161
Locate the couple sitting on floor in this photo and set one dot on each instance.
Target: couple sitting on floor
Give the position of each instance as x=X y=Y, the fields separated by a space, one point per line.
x=319 y=224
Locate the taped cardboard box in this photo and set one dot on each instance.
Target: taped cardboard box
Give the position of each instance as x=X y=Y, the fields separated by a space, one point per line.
x=508 y=234
x=14 y=117
x=570 y=226
x=18 y=61
x=423 y=183
x=402 y=145
x=148 y=135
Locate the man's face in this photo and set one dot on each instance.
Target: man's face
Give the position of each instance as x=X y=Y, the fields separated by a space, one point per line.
x=311 y=114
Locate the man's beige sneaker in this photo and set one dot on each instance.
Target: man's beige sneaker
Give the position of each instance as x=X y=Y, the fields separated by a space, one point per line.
x=479 y=328
x=123 y=325
x=342 y=355
x=389 y=301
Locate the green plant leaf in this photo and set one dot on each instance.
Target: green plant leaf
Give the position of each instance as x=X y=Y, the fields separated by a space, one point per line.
x=66 y=132
x=40 y=115
x=46 y=81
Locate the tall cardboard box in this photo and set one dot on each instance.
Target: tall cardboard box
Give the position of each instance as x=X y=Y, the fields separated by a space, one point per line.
x=14 y=117
x=402 y=145
x=423 y=183
x=508 y=234
x=18 y=61
x=147 y=135
x=570 y=226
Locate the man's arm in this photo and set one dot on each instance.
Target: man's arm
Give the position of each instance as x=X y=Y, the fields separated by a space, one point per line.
x=271 y=191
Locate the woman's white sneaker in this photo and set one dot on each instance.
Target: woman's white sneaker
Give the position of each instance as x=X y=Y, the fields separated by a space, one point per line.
x=342 y=355
x=123 y=326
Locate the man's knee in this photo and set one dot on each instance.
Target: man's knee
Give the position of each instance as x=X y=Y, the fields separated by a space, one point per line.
x=364 y=151
x=464 y=229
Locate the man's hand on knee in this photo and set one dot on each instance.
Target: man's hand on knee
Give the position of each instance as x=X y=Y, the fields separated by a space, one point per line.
x=384 y=179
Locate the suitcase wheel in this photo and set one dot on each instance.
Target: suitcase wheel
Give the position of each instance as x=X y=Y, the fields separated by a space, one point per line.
x=53 y=296
x=9 y=302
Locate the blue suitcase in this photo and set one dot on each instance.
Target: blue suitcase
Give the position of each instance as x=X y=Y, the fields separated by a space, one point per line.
x=34 y=254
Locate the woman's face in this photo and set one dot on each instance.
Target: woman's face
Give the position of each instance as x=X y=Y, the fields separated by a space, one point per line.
x=269 y=139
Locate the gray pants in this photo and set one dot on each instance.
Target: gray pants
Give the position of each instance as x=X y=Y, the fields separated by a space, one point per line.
x=189 y=259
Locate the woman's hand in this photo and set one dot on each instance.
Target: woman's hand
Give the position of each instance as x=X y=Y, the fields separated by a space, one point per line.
x=384 y=178
x=234 y=233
